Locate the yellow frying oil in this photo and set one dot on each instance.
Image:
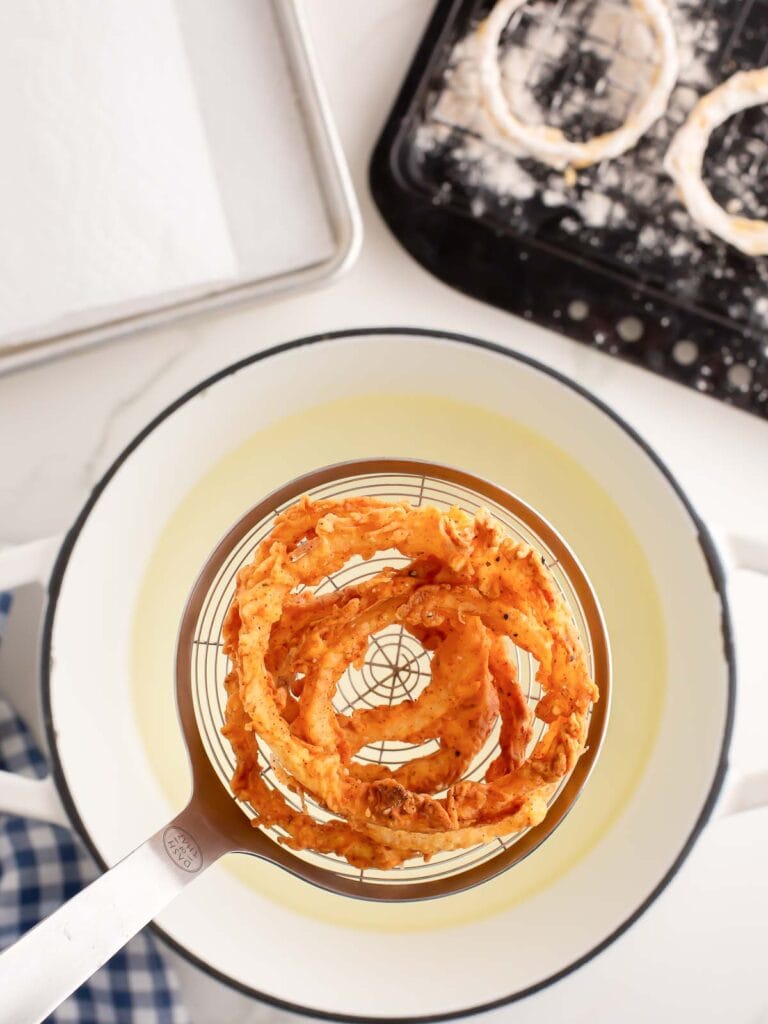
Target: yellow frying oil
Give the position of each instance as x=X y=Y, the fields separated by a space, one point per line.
x=484 y=443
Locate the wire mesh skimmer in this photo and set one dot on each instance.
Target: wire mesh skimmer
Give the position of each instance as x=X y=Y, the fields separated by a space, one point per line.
x=85 y=932
x=396 y=667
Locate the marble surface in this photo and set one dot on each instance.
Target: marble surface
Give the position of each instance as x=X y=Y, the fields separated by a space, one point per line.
x=700 y=949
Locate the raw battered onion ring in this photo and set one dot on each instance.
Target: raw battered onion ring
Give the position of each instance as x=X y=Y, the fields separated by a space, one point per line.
x=469 y=593
x=549 y=144
x=685 y=157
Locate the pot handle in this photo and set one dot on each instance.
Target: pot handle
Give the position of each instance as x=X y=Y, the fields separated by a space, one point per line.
x=748 y=791
x=46 y=965
x=744 y=552
x=28 y=563
x=30 y=798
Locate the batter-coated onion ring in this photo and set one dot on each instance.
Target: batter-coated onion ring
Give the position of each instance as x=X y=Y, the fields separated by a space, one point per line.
x=685 y=157
x=549 y=144
x=470 y=591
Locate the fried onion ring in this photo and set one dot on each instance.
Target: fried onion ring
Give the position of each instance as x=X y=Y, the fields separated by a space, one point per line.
x=685 y=158
x=549 y=144
x=471 y=594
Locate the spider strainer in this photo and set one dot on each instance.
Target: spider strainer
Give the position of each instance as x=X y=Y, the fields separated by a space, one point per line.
x=396 y=668
x=79 y=937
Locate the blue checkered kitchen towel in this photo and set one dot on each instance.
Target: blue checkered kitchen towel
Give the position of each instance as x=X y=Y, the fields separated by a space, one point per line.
x=43 y=865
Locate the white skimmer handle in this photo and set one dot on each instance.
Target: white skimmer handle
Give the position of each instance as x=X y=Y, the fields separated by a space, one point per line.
x=47 y=964
x=53 y=959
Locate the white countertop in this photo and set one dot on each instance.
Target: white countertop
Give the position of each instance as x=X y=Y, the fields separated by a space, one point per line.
x=700 y=950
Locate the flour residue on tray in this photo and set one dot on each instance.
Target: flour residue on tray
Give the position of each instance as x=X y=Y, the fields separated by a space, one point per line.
x=583 y=67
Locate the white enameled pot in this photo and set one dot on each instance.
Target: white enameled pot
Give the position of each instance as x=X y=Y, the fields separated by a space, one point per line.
x=603 y=488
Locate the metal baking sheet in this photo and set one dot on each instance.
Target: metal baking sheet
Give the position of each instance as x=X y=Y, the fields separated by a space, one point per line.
x=284 y=184
x=610 y=258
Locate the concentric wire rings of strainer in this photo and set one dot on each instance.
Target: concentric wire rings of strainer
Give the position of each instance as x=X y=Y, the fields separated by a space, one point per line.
x=397 y=667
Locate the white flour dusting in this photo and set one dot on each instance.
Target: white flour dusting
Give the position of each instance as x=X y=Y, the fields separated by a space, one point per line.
x=618 y=38
x=553 y=77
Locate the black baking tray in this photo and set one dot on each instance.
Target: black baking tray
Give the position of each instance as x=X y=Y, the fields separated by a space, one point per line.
x=700 y=319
